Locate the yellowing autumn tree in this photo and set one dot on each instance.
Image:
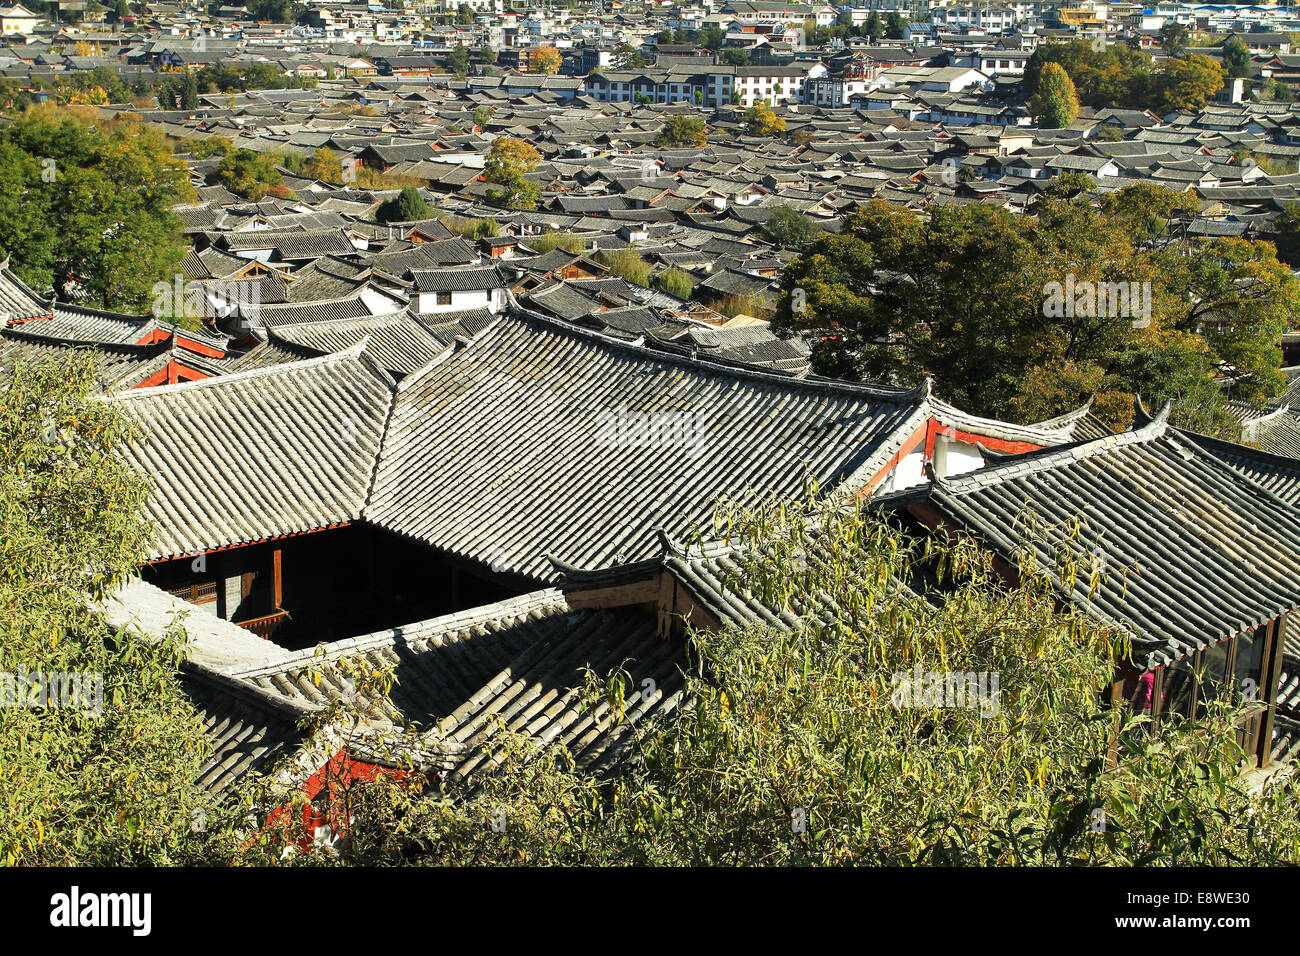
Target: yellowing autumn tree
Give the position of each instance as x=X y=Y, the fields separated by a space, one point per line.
x=324 y=165
x=1186 y=83
x=91 y=96
x=761 y=120
x=1056 y=104
x=508 y=162
x=546 y=59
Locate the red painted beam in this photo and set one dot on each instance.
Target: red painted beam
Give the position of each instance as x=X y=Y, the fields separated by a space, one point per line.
x=932 y=430
x=247 y=544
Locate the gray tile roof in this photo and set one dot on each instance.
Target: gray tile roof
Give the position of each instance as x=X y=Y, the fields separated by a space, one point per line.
x=17 y=301
x=261 y=454
x=1213 y=555
x=457 y=279
x=397 y=340
x=1277 y=474
x=519 y=664
x=249 y=731
x=502 y=452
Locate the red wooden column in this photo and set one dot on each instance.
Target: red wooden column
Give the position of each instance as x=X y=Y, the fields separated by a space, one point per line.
x=276 y=589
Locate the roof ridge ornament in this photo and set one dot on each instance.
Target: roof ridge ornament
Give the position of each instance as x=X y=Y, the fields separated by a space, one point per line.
x=1140 y=414
x=670 y=545
x=1160 y=421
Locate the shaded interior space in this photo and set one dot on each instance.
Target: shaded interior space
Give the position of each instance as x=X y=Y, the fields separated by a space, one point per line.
x=1245 y=667
x=327 y=585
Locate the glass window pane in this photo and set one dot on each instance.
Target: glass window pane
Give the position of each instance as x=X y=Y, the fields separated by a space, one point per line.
x=1250 y=660
x=1214 y=667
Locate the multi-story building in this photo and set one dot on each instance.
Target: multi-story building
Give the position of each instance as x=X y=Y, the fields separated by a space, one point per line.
x=835 y=90
x=709 y=86
x=991 y=19
x=775 y=11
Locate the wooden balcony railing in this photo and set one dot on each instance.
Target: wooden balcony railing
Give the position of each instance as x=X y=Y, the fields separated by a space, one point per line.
x=265 y=626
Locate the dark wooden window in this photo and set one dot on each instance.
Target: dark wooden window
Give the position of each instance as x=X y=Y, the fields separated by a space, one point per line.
x=1180 y=687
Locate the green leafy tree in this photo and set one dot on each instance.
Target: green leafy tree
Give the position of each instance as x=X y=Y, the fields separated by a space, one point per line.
x=406 y=206
x=248 y=174
x=458 y=60
x=1173 y=38
x=1115 y=76
x=895 y=24
x=473 y=228
x=710 y=37
x=627 y=264
x=676 y=282
x=100 y=78
x=735 y=57
x=1118 y=76
x=1236 y=57
x=229 y=77
x=568 y=241
x=1286 y=234
x=187 y=94
x=801 y=744
x=789 y=228
x=88 y=211
x=1272 y=89
x=975 y=295
x=682 y=131
x=1145 y=210
x=627 y=57
x=1070 y=185
x=276 y=11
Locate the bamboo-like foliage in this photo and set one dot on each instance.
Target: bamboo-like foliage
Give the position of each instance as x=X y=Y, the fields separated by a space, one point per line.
x=107 y=785
x=796 y=746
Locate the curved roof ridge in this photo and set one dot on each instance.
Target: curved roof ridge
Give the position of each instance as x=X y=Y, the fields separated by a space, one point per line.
x=353 y=351
x=285 y=306
x=1020 y=465
x=996 y=428
x=18 y=334
x=276 y=330
x=551 y=598
x=1068 y=419
x=1267 y=416
x=883 y=393
x=138 y=318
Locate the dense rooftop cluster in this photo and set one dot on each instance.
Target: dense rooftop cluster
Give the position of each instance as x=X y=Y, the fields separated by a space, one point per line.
x=467 y=393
